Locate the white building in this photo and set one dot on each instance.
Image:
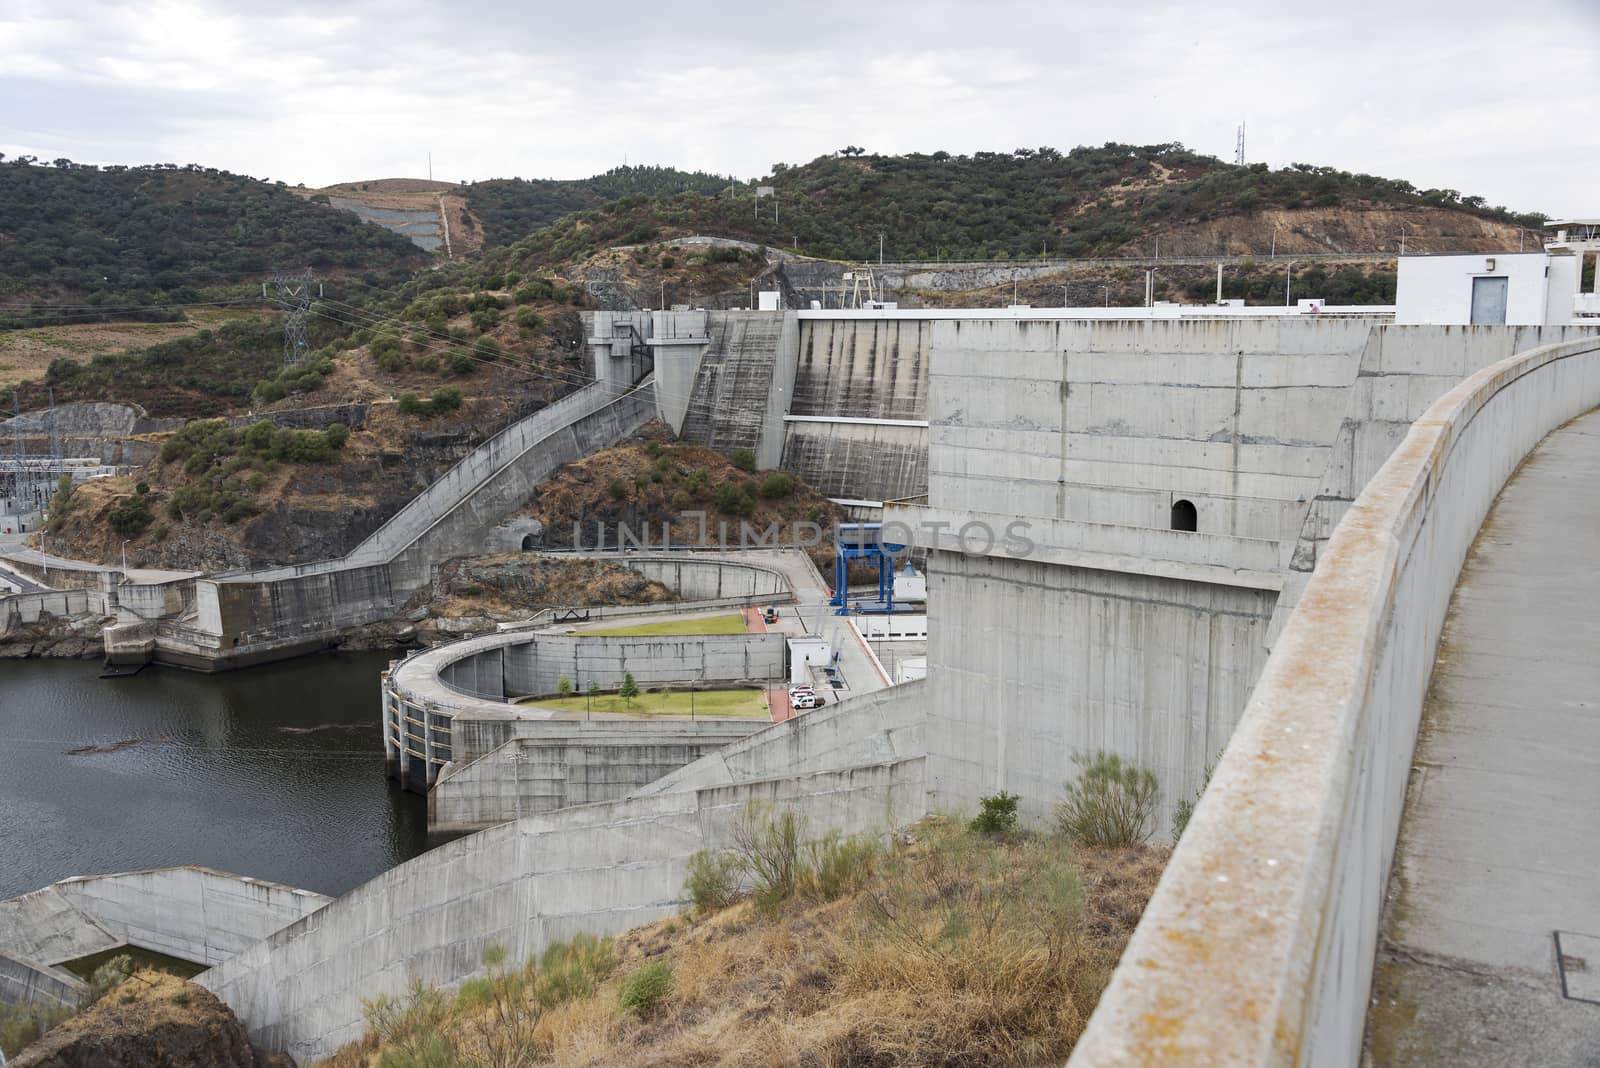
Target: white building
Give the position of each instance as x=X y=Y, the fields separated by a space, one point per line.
x=1545 y=288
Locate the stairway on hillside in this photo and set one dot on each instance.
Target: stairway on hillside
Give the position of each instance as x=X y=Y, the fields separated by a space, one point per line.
x=729 y=402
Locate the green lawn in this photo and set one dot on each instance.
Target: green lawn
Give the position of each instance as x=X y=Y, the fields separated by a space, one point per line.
x=715 y=703
x=732 y=623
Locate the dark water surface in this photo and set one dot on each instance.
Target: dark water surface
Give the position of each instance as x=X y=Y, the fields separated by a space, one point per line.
x=275 y=772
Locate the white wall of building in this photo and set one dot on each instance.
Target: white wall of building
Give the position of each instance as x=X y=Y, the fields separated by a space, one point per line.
x=1437 y=290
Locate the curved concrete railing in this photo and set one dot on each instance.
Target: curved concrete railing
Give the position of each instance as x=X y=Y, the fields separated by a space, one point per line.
x=1258 y=946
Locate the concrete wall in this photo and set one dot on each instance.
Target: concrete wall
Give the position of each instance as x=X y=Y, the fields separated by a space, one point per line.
x=858 y=461
x=597 y=868
x=1112 y=422
x=519 y=665
x=1031 y=663
x=862 y=368
x=195 y=914
x=554 y=764
x=24 y=982
x=1403 y=370
x=1272 y=899
x=20 y=609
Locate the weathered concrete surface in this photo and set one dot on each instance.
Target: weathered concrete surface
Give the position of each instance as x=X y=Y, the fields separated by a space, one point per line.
x=557 y=763
x=598 y=868
x=1403 y=370
x=1258 y=946
x=1500 y=842
x=1032 y=663
x=194 y=914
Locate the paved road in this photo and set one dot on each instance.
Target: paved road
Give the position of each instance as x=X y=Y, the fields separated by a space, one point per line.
x=1499 y=851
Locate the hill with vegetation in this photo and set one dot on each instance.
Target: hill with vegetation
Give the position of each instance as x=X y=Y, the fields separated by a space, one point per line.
x=117 y=242
x=511 y=208
x=1102 y=201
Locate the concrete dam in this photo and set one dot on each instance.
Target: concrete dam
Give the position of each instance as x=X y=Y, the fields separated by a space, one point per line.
x=1237 y=536
x=840 y=402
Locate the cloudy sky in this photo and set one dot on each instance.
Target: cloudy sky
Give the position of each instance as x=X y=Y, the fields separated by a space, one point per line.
x=1486 y=96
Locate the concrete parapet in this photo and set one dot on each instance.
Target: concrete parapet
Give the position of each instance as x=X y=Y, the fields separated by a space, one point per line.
x=1258 y=946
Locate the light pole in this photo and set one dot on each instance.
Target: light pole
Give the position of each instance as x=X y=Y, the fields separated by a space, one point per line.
x=125 y=556
x=880 y=249
x=44 y=561
x=1274 y=243
x=1063 y=296
x=1108 y=295
x=1288 y=275
x=663 y=294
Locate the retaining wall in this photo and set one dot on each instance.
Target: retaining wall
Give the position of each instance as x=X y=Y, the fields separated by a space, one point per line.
x=519 y=665
x=555 y=764
x=195 y=914
x=1258 y=946
x=21 y=609
x=597 y=868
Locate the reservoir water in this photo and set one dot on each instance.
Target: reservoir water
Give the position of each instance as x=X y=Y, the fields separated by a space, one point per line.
x=274 y=772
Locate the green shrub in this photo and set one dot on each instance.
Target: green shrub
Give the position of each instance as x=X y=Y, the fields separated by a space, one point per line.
x=835 y=866
x=1184 y=809
x=629 y=688
x=337 y=434
x=529 y=320
x=777 y=484
x=769 y=845
x=713 y=881
x=618 y=490
x=130 y=517
x=1112 y=803
x=445 y=399
x=462 y=364
x=645 y=988
x=573 y=969
x=427 y=363
x=564 y=686
x=743 y=459
x=141 y=488
x=997 y=814
x=487 y=348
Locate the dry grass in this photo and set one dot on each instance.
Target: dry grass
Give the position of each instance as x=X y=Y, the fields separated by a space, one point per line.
x=959 y=949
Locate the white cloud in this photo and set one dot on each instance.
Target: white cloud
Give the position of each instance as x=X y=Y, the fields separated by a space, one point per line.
x=1471 y=97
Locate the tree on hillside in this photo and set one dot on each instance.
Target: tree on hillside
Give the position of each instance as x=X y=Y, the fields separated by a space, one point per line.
x=630 y=688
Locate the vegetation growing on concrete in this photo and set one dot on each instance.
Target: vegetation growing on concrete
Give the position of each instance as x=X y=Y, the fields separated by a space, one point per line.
x=941 y=946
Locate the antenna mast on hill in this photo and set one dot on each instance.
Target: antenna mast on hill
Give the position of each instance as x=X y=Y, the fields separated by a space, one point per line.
x=1238 y=147
x=293 y=293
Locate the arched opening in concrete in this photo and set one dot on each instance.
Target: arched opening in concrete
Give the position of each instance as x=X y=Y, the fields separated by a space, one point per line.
x=1184 y=516
x=530 y=542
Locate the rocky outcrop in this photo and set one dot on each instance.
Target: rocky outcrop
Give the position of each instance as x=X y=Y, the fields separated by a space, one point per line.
x=150 y=1019
x=67 y=637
